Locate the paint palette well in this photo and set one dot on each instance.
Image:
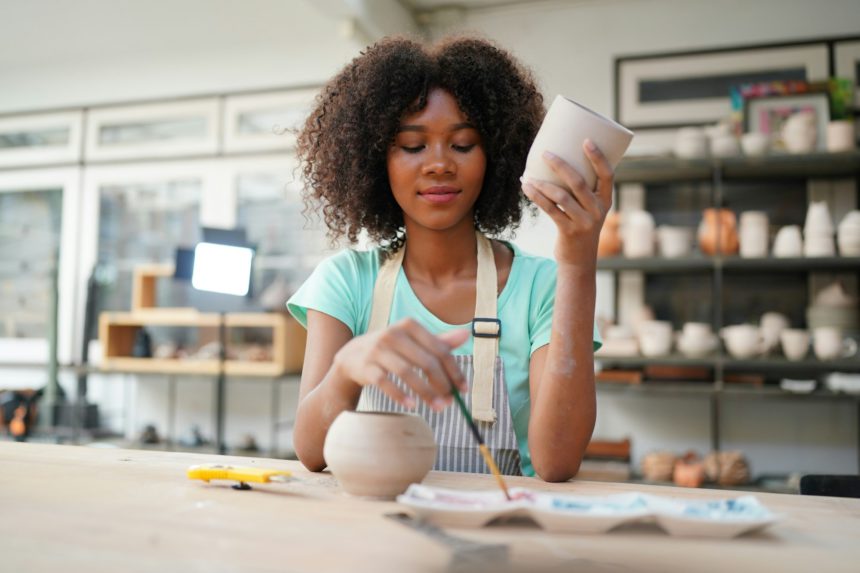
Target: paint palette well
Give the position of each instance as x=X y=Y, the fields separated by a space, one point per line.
x=568 y=513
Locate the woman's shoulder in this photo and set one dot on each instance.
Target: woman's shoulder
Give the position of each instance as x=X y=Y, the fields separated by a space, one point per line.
x=362 y=263
x=531 y=262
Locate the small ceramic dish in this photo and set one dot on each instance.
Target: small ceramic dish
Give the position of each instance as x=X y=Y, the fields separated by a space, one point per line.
x=587 y=514
x=724 y=518
x=563 y=513
x=456 y=508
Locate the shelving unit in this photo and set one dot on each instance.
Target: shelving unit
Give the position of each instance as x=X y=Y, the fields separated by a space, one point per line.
x=709 y=178
x=117 y=330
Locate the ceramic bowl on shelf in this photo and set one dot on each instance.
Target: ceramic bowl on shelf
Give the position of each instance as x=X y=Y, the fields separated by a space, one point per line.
x=743 y=341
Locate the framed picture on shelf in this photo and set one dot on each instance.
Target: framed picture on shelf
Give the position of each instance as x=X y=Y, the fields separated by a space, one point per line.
x=692 y=88
x=768 y=114
x=846 y=57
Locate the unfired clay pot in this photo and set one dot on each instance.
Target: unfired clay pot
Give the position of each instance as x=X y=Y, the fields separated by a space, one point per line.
x=718 y=232
x=377 y=454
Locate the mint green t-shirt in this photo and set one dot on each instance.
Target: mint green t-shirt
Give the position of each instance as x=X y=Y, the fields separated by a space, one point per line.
x=342 y=287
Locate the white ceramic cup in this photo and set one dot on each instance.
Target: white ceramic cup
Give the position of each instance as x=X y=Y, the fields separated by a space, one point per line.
x=674 y=241
x=755 y=143
x=637 y=232
x=840 y=136
x=772 y=324
x=795 y=343
x=655 y=337
x=828 y=343
x=818 y=219
x=564 y=129
x=691 y=143
x=753 y=234
x=788 y=242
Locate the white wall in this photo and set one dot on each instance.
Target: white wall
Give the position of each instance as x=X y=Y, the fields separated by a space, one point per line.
x=58 y=54
x=55 y=53
x=571 y=46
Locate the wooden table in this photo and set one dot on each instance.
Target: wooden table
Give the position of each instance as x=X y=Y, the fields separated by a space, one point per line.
x=80 y=509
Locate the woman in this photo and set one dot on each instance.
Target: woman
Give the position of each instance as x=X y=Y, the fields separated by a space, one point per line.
x=422 y=149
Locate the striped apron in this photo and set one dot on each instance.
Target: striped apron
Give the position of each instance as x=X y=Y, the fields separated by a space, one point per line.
x=487 y=398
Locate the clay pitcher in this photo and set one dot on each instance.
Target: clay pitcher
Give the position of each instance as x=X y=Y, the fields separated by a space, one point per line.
x=378 y=454
x=718 y=232
x=609 y=243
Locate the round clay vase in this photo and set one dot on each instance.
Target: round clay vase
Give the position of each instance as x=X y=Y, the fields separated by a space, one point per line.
x=718 y=232
x=609 y=243
x=378 y=454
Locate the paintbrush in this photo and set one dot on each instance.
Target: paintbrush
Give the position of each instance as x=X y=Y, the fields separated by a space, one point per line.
x=481 y=445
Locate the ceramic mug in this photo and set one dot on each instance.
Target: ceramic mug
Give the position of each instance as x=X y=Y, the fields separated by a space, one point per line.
x=564 y=129
x=674 y=241
x=637 y=233
x=655 y=337
x=753 y=234
x=840 y=136
x=795 y=343
x=828 y=343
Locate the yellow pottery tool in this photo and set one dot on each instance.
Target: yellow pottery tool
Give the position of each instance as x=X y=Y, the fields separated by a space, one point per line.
x=481 y=446
x=241 y=474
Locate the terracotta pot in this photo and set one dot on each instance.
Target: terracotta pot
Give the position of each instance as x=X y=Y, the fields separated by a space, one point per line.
x=718 y=232
x=376 y=454
x=689 y=471
x=609 y=243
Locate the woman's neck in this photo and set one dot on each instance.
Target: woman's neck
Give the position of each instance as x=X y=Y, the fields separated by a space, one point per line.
x=440 y=256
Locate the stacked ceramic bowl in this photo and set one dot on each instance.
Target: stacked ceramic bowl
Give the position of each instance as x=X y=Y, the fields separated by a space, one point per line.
x=818 y=231
x=834 y=307
x=848 y=235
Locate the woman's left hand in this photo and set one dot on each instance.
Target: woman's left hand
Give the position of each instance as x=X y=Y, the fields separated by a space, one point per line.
x=577 y=211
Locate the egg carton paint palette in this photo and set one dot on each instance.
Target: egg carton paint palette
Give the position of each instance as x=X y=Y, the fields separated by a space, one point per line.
x=565 y=513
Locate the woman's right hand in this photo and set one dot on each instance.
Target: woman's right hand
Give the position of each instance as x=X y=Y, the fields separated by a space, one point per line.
x=404 y=349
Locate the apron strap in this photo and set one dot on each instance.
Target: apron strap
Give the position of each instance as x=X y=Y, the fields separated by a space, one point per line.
x=486 y=328
x=383 y=291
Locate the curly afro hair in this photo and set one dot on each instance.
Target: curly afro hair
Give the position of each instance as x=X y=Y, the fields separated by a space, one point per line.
x=343 y=144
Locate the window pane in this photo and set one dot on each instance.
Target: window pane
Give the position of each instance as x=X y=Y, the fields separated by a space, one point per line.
x=144 y=223
x=267 y=121
x=29 y=249
x=141 y=132
x=271 y=212
x=49 y=137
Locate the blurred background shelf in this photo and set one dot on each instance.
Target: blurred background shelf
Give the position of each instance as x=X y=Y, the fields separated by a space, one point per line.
x=775 y=166
x=733 y=263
